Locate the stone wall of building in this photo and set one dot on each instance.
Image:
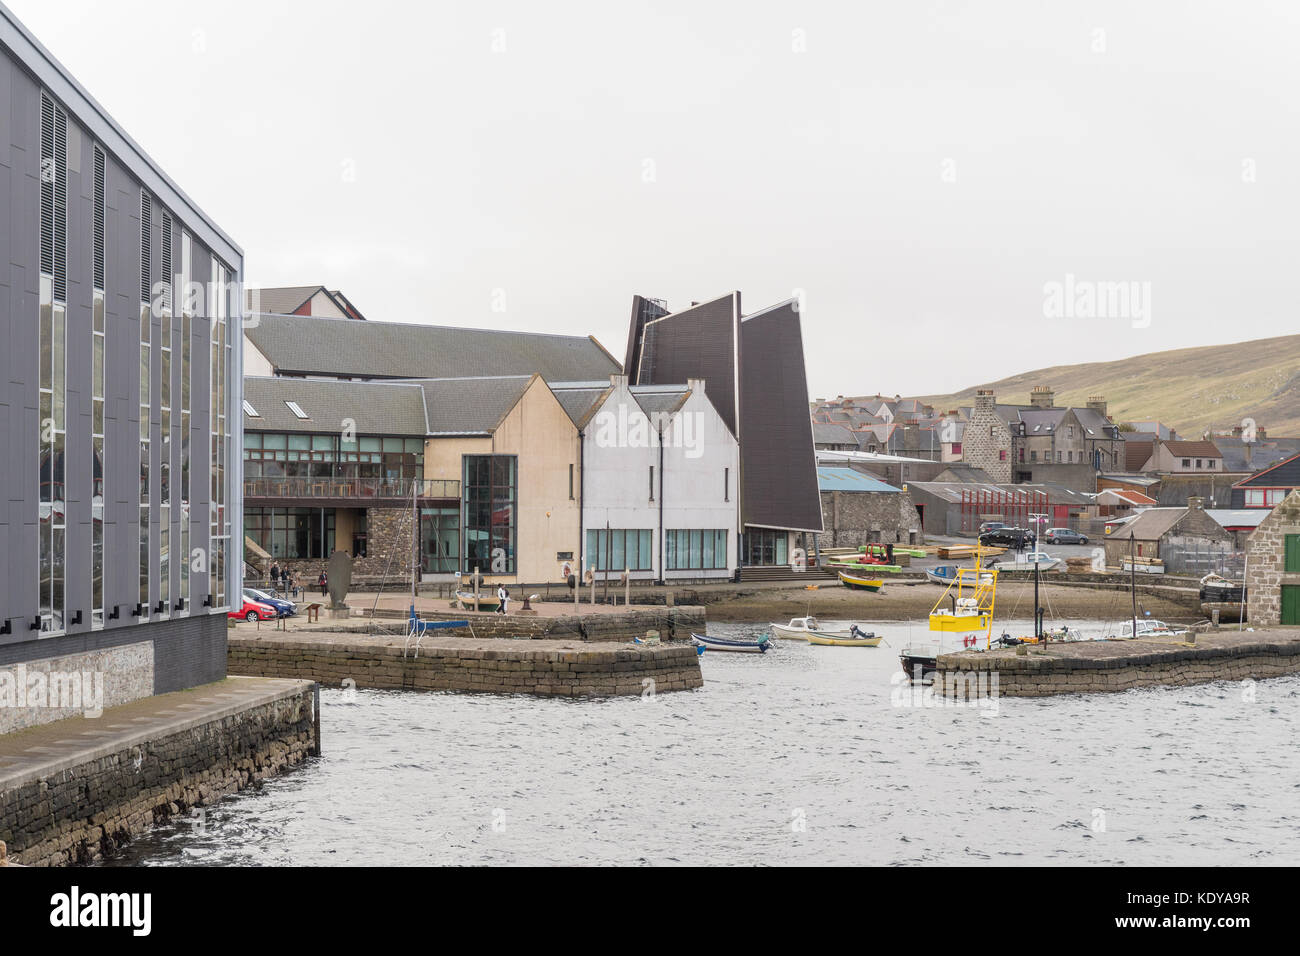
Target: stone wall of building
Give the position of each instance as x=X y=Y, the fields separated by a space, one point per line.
x=79 y=814
x=1266 y=563
x=499 y=667
x=986 y=442
x=855 y=518
x=74 y=685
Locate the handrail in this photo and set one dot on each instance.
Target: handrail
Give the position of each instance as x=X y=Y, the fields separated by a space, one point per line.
x=299 y=487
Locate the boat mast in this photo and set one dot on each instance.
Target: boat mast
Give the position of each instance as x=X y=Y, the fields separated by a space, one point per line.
x=1133 y=581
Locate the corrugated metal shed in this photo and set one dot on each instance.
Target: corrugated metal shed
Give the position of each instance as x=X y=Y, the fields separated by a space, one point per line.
x=846 y=479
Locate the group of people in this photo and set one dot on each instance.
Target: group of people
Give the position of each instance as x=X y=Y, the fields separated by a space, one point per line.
x=282 y=579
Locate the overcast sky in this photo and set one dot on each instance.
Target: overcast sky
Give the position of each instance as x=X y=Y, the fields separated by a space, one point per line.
x=920 y=173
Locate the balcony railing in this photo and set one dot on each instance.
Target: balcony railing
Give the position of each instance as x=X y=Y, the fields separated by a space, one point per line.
x=387 y=488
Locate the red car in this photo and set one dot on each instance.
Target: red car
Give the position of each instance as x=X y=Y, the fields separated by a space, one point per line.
x=253 y=611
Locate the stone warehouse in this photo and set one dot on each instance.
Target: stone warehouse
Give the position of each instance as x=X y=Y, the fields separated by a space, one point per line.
x=1273 y=567
x=860 y=509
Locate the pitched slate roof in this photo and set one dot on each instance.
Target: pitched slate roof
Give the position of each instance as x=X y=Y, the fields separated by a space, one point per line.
x=580 y=400
x=1153 y=523
x=470 y=406
x=660 y=399
x=376 y=408
x=833 y=435
x=281 y=301
x=1193 y=449
x=314 y=345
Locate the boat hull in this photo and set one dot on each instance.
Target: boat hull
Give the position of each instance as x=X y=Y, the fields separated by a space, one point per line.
x=485 y=603
x=731 y=647
x=860 y=583
x=918 y=667
x=956 y=624
x=844 y=641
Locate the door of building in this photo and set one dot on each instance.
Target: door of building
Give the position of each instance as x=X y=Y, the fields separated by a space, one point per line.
x=1290 y=604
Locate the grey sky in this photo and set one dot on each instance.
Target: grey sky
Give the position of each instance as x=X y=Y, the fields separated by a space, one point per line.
x=920 y=171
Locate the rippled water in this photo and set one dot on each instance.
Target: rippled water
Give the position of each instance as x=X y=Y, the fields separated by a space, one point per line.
x=800 y=756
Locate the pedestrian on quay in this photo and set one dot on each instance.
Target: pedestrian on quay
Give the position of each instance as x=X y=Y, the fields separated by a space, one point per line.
x=275 y=574
x=503 y=597
x=324 y=584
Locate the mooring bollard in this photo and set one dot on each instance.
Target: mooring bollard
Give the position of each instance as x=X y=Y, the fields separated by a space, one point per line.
x=1214 y=617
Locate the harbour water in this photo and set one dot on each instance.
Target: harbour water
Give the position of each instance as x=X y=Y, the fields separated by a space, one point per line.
x=806 y=755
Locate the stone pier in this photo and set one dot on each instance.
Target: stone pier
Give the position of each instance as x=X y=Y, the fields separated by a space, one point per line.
x=549 y=668
x=1089 y=667
x=74 y=790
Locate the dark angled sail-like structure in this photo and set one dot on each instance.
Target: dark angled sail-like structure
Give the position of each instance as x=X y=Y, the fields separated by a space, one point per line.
x=753 y=368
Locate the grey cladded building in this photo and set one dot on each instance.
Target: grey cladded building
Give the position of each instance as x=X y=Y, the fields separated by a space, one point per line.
x=119 y=512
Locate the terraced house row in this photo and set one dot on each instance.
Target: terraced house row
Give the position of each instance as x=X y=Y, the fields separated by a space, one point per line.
x=526 y=457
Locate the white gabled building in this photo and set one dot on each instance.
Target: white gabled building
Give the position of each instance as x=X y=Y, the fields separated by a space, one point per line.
x=659 y=481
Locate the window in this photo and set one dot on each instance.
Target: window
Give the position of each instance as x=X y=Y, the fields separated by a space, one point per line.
x=570 y=482
x=187 y=391
x=617 y=550
x=97 y=399
x=1199 y=463
x=146 y=402
x=439 y=539
x=219 y=434
x=163 y=303
x=249 y=410
x=695 y=550
x=652 y=482
x=489 y=498
x=1187 y=463
x=52 y=388
x=726 y=484
x=1002 y=455
x=956 y=450
x=1209 y=463
x=297 y=410
x=292 y=532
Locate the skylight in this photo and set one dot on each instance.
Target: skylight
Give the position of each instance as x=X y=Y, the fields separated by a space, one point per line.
x=297 y=410
x=249 y=410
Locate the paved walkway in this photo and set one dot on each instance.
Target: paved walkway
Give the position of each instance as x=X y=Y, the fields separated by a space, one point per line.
x=50 y=748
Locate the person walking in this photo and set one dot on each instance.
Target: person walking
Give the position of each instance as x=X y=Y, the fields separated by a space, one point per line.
x=275 y=574
x=503 y=597
x=324 y=584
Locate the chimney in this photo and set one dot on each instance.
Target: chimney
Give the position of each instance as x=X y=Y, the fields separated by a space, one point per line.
x=984 y=401
x=695 y=384
x=1195 y=503
x=1041 y=396
x=1098 y=404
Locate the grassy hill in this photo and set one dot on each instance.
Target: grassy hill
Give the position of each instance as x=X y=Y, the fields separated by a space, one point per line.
x=1196 y=389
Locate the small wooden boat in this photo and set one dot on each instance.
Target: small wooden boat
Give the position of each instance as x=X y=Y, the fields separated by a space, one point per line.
x=760 y=646
x=486 y=602
x=859 y=583
x=943 y=574
x=866 y=640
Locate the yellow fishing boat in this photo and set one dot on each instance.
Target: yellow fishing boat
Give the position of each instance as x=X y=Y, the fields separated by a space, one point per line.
x=962 y=619
x=860 y=583
x=870 y=641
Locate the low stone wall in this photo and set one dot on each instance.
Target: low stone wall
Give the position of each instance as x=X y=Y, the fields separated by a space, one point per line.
x=77 y=814
x=1090 y=667
x=544 y=668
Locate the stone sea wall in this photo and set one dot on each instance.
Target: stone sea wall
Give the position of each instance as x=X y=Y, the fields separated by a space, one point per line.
x=78 y=814
x=485 y=666
x=966 y=675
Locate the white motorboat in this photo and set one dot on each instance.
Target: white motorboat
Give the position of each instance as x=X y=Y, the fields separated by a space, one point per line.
x=800 y=628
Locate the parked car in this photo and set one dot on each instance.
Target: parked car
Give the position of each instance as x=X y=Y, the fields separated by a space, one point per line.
x=282 y=607
x=1004 y=537
x=991 y=526
x=1064 y=536
x=254 y=611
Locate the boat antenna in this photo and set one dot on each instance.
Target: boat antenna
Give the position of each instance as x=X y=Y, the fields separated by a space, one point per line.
x=1133 y=581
